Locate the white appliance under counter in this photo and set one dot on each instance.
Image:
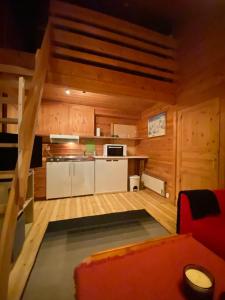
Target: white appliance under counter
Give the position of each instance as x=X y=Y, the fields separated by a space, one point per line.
x=111 y=175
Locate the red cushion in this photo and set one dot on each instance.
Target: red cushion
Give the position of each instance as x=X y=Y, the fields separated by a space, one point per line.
x=152 y=273
x=211 y=232
x=208 y=230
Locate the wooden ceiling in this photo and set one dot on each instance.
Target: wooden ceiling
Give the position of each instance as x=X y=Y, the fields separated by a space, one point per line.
x=129 y=85
x=118 y=64
x=130 y=105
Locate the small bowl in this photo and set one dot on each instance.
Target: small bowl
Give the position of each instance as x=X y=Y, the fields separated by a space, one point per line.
x=198 y=282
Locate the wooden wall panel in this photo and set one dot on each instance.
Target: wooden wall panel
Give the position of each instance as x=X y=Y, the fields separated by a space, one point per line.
x=12 y=112
x=201 y=59
x=161 y=150
x=222 y=146
x=17 y=58
x=104 y=123
x=40 y=181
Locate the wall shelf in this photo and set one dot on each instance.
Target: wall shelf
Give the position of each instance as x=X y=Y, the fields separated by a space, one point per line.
x=111 y=138
x=46 y=139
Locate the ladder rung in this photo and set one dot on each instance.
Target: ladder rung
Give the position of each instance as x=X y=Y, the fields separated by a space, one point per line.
x=9 y=120
x=8 y=145
x=7 y=174
x=8 y=100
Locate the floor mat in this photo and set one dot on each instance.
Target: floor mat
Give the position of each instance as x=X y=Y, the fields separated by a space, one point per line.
x=66 y=243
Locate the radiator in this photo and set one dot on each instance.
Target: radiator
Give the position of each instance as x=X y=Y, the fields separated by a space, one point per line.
x=155 y=184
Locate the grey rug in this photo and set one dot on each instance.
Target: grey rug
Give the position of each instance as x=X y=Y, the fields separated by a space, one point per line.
x=67 y=243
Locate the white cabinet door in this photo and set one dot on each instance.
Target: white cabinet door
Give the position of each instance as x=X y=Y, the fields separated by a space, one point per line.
x=111 y=175
x=58 y=179
x=83 y=178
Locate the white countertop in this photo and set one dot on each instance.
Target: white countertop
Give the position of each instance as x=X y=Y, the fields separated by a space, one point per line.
x=122 y=157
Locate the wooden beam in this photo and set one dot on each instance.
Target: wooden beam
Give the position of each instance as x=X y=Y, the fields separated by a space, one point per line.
x=16 y=70
x=17 y=58
x=58 y=8
x=21 y=101
x=109 y=76
x=70 y=54
x=111 y=36
x=98 y=86
x=115 y=51
x=99 y=80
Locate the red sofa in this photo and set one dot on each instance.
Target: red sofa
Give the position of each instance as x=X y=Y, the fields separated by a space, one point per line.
x=209 y=230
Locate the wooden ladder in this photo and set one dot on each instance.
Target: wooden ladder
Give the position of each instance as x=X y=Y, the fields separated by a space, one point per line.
x=27 y=118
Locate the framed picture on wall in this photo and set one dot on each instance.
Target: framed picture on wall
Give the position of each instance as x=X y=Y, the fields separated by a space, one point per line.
x=157 y=125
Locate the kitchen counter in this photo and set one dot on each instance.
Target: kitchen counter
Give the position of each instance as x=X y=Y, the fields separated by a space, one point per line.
x=122 y=157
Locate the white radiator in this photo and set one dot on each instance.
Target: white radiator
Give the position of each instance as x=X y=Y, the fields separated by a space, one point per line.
x=155 y=184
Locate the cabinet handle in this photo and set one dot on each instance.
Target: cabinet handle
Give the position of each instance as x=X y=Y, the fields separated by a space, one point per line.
x=69 y=169
x=108 y=159
x=116 y=160
x=74 y=166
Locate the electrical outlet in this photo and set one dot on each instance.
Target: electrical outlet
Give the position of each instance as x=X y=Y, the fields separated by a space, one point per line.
x=167 y=195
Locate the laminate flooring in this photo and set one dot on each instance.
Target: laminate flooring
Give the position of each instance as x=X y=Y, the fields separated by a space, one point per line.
x=70 y=208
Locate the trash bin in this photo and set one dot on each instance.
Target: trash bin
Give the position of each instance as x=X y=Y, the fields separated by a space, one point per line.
x=134 y=183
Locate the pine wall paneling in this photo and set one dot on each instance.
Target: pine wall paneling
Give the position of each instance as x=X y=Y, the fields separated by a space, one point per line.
x=201 y=59
x=161 y=150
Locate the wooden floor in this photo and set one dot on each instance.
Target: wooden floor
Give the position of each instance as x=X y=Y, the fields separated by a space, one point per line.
x=62 y=209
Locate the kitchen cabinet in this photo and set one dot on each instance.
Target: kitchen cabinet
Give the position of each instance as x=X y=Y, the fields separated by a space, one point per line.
x=66 y=179
x=65 y=118
x=111 y=175
x=58 y=180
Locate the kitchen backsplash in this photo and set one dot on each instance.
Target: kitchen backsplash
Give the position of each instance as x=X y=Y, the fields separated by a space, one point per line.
x=81 y=148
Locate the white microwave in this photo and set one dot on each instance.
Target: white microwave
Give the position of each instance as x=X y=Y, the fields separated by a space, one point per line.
x=114 y=150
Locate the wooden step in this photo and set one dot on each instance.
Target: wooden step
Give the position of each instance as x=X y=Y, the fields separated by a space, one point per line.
x=9 y=120
x=8 y=145
x=10 y=69
x=8 y=100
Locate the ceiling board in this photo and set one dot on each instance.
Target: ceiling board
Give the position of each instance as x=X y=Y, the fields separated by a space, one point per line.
x=124 y=104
